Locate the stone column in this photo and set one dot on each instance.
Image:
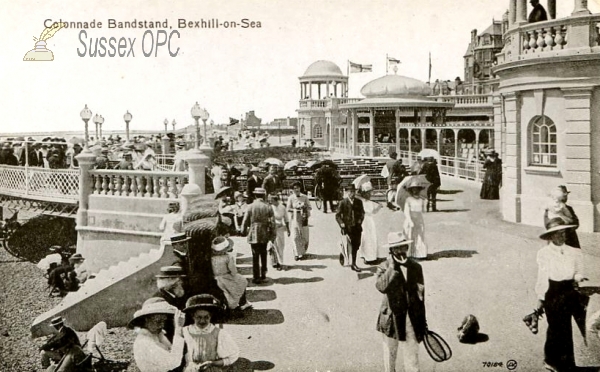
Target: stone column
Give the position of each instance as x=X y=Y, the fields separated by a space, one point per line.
x=354 y=132
x=198 y=162
x=577 y=163
x=372 y=131
x=439 y=140
x=398 y=131
x=86 y=161
x=188 y=194
x=327 y=88
x=477 y=131
x=319 y=91
x=511 y=176
x=165 y=144
x=423 y=139
x=512 y=13
x=409 y=143
x=455 y=151
x=581 y=8
x=551 y=9
x=521 y=12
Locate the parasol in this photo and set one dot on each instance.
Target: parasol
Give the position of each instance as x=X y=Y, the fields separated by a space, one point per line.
x=410 y=181
x=313 y=164
x=76 y=140
x=292 y=164
x=360 y=180
x=273 y=161
x=223 y=191
x=429 y=153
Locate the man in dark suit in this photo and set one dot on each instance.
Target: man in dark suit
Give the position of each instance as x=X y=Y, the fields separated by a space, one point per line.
x=272 y=182
x=571 y=238
x=432 y=173
x=254 y=181
x=349 y=216
x=396 y=171
x=65 y=335
x=538 y=13
x=402 y=313
x=232 y=174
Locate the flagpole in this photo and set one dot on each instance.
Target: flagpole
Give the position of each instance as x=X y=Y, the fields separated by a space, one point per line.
x=429 y=78
x=348 y=75
x=386 y=63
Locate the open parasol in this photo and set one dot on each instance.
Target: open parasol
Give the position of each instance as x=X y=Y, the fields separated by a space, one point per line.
x=408 y=182
x=429 y=153
x=78 y=140
x=360 y=180
x=273 y=161
x=292 y=164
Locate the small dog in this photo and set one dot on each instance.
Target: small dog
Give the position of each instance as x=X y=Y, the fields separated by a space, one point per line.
x=468 y=330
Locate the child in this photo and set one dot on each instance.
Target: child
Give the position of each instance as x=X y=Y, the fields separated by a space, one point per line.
x=557 y=207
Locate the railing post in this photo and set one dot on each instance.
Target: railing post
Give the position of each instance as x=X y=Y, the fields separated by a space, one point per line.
x=165 y=146
x=198 y=162
x=86 y=161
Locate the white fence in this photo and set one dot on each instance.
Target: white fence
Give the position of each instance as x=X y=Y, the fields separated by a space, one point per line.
x=59 y=185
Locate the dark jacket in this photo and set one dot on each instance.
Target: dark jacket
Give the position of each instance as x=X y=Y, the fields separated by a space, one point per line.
x=431 y=172
x=571 y=238
x=396 y=171
x=272 y=184
x=64 y=336
x=253 y=184
x=345 y=215
x=400 y=296
x=538 y=14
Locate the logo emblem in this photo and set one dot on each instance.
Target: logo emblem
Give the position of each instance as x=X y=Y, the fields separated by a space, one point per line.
x=40 y=52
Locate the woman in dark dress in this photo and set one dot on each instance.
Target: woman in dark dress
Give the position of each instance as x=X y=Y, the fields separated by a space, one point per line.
x=493 y=177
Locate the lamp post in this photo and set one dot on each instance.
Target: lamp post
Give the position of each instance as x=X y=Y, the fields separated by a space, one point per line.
x=174 y=125
x=204 y=116
x=127 y=117
x=100 y=125
x=96 y=121
x=86 y=115
x=166 y=122
x=200 y=113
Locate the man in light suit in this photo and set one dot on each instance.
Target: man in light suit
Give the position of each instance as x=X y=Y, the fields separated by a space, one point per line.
x=349 y=216
x=402 y=313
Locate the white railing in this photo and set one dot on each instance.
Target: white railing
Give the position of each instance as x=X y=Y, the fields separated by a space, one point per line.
x=164 y=162
x=343 y=148
x=467 y=100
x=313 y=103
x=60 y=185
x=468 y=169
x=157 y=184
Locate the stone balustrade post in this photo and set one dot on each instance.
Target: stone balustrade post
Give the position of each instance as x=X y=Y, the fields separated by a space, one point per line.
x=521 y=12
x=188 y=194
x=581 y=8
x=165 y=144
x=198 y=162
x=86 y=161
x=512 y=13
x=551 y=9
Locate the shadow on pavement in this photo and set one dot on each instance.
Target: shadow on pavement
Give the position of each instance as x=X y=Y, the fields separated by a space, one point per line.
x=244 y=270
x=286 y=281
x=449 y=192
x=306 y=267
x=588 y=291
x=451 y=210
x=452 y=253
x=245 y=260
x=258 y=295
x=481 y=337
x=259 y=317
x=310 y=256
x=245 y=365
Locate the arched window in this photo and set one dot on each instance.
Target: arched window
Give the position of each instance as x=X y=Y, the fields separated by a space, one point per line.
x=543 y=142
x=318 y=131
x=302 y=131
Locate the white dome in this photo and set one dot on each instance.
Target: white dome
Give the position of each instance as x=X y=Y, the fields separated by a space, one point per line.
x=395 y=86
x=323 y=68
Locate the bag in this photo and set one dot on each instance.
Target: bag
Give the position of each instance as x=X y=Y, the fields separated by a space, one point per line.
x=468 y=330
x=436 y=347
x=346 y=250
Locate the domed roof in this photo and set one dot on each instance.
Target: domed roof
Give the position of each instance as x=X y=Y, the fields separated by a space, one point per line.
x=395 y=86
x=323 y=68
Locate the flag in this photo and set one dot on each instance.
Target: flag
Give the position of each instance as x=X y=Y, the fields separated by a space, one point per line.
x=356 y=67
x=393 y=61
x=233 y=121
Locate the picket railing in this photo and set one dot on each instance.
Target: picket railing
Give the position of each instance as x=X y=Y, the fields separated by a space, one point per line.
x=157 y=184
x=61 y=185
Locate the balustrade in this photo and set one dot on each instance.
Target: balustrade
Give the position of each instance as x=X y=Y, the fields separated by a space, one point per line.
x=40 y=183
x=466 y=100
x=166 y=185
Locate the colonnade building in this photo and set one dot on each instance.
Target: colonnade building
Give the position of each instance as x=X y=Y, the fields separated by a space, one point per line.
x=543 y=118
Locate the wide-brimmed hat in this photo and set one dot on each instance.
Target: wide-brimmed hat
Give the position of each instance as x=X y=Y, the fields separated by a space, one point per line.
x=259 y=191
x=77 y=257
x=397 y=239
x=563 y=188
x=555 y=224
x=236 y=194
x=221 y=244
x=202 y=301
x=151 y=306
x=366 y=187
x=170 y=272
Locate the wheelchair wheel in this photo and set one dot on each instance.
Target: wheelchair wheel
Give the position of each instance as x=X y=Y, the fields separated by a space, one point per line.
x=318 y=198
x=341 y=259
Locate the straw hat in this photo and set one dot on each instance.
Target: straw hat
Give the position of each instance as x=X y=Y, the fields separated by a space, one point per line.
x=555 y=224
x=221 y=244
x=170 y=272
x=366 y=187
x=57 y=322
x=77 y=257
x=260 y=191
x=397 y=239
x=201 y=301
x=151 y=306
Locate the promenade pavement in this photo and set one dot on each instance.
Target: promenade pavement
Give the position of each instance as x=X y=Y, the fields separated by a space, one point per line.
x=320 y=316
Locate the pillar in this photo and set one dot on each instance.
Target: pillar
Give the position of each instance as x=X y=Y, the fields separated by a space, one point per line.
x=372 y=131
x=521 y=12
x=188 y=194
x=86 y=162
x=423 y=139
x=319 y=91
x=398 y=131
x=578 y=172
x=512 y=13
x=198 y=162
x=409 y=143
x=477 y=131
x=551 y=9
x=438 y=133
x=165 y=144
x=455 y=151
x=581 y=8
x=354 y=132
x=511 y=176
x=327 y=88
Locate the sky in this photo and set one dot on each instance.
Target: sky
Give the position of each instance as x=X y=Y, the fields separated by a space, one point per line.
x=228 y=71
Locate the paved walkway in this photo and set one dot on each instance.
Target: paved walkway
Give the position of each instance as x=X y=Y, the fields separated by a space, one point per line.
x=318 y=316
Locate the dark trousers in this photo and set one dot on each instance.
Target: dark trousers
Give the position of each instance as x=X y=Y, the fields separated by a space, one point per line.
x=431 y=197
x=325 y=200
x=354 y=235
x=259 y=260
x=562 y=302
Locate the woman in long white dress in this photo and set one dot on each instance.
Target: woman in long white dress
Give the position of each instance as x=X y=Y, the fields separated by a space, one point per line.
x=225 y=271
x=299 y=208
x=172 y=223
x=369 y=247
x=414 y=226
x=282 y=227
